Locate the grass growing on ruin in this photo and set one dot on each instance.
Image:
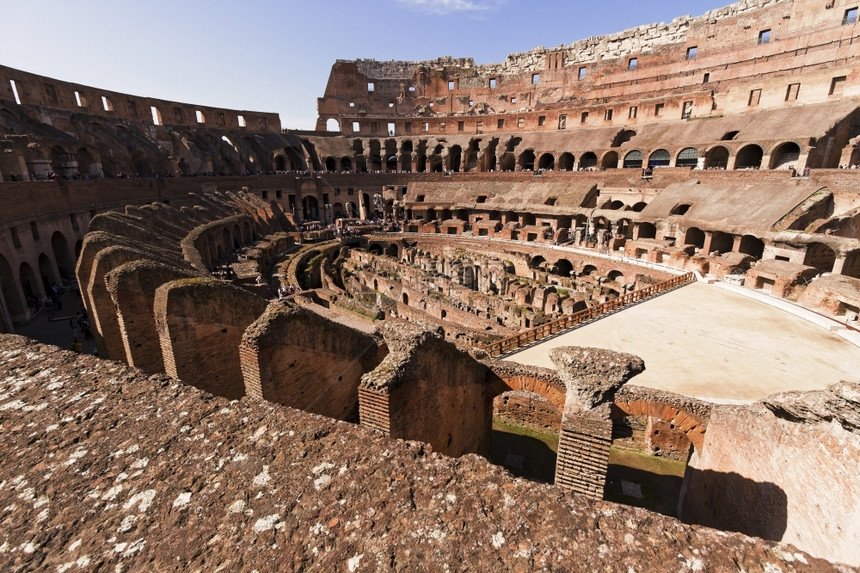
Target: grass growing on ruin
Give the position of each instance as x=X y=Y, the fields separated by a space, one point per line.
x=551 y=440
x=636 y=459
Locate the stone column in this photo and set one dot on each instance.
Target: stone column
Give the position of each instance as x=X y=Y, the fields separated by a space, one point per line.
x=592 y=377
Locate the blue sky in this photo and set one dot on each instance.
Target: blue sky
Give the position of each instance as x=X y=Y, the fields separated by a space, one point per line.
x=275 y=56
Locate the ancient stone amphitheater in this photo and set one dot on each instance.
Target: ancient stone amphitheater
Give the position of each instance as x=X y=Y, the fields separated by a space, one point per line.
x=302 y=337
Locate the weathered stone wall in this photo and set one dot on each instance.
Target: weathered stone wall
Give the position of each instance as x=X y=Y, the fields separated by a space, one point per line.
x=782 y=469
x=428 y=390
x=200 y=323
x=104 y=467
x=295 y=357
x=35 y=90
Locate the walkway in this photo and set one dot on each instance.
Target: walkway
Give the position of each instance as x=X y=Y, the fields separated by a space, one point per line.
x=715 y=344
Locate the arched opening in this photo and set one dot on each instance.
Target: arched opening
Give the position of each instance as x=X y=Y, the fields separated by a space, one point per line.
x=30 y=286
x=647 y=231
x=566 y=161
x=455 y=155
x=749 y=157
x=392 y=251
x=227 y=240
x=14 y=304
x=330 y=164
x=375 y=249
x=610 y=160
x=537 y=262
x=688 y=157
x=507 y=162
x=721 y=242
x=562 y=268
x=659 y=158
x=851 y=268
x=332 y=124
x=785 y=156
x=694 y=236
x=87 y=166
x=310 y=209
x=820 y=256
x=60 y=248
x=525 y=432
x=391 y=163
x=752 y=246
x=633 y=160
x=616 y=276
x=405 y=299
x=717 y=158
x=46 y=272
x=345 y=164
x=527 y=160
x=588 y=270
x=547 y=161
x=637 y=207
x=406 y=156
x=589 y=160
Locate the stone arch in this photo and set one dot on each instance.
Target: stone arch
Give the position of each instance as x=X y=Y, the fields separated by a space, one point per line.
x=633 y=159
x=555 y=394
x=820 y=256
x=659 y=158
x=752 y=246
x=332 y=124
x=694 y=236
x=455 y=156
x=526 y=160
x=717 y=158
x=62 y=255
x=566 y=161
x=16 y=306
x=692 y=425
x=851 y=268
x=375 y=249
x=721 y=242
x=587 y=270
x=610 y=160
x=392 y=251
x=29 y=284
x=546 y=161
x=588 y=160
x=687 y=157
x=617 y=276
x=310 y=208
x=345 y=164
x=563 y=268
x=647 y=231
x=46 y=272
x=749 y=157
x=785 y=156
x=330 y=164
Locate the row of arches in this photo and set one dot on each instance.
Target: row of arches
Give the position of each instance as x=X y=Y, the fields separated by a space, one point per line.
x=27 y=284
x=455 y=158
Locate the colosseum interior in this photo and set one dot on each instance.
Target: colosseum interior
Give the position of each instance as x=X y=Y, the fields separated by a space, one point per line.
x=307 y=341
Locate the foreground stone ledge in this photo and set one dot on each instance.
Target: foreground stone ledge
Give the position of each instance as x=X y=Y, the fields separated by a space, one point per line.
x=106 y=469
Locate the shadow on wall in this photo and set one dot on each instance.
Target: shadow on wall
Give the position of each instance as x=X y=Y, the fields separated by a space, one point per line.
x=731 y=502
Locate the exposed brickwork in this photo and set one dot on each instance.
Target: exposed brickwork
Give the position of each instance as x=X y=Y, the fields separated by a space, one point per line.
x=583 y=454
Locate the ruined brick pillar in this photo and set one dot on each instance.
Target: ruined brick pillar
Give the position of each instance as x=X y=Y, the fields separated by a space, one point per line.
x=592 y=377
x=426 y=389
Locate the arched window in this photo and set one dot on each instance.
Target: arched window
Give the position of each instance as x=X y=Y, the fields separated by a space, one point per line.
x=633 y=160
x=689 y=157
x=659 y=158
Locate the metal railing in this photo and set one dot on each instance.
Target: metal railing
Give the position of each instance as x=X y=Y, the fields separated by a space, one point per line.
x=570 y=320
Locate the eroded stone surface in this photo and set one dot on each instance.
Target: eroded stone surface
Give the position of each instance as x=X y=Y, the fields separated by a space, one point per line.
x=105 y=469
x=593 y=375
x=839 y=403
